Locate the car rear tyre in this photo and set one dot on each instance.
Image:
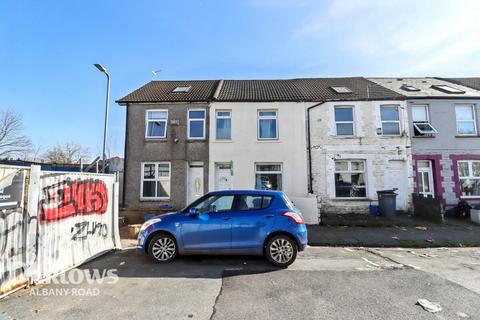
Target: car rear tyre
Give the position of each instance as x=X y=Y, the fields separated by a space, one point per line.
x=281 y=251
x=162 y=248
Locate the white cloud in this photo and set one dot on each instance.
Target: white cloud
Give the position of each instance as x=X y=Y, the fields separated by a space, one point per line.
x=418 y=36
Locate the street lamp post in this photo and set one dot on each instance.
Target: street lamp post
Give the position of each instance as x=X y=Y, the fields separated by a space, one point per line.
x=105 y=127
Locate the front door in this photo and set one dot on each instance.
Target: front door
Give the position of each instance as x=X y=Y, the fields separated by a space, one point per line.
x=396 y=178
x=210 y=227
x=195 y=181
x=425 y=178
x=223 y=176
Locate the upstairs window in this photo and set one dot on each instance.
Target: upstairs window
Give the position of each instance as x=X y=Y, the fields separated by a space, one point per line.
x=267 y=125
x=156 y=124
x=350 y=179
x=390 y=120
x=466 y=122
x=421 y=121
x=196 y=124
x=224 y=125
x=469 y=176
x=344 y=121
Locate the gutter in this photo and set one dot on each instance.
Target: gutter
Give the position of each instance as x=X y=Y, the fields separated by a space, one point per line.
x=309 y=146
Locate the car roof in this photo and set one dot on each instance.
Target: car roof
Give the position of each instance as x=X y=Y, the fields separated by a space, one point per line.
x=250 y=192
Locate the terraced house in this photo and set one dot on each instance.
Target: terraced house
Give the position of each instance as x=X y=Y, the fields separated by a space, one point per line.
x=329 y=143
x=443 y=121
x=166 y=143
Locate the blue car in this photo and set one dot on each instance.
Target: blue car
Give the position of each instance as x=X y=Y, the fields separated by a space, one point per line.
x=228 y=222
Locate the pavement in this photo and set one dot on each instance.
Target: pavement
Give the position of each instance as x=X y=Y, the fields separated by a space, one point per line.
x=324 y=283
x=415 y=234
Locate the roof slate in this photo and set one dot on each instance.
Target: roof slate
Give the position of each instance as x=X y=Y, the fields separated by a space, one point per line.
x=468 y=82
x=425 y=86
x=161 y=91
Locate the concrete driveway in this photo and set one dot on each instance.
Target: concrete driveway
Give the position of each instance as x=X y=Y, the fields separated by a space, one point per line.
x=324 y=283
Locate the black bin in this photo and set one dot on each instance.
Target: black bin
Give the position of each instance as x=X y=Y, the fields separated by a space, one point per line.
x=387 y=203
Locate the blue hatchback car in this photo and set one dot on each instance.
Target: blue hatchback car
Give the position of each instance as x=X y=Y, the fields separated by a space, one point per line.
x=228 y=222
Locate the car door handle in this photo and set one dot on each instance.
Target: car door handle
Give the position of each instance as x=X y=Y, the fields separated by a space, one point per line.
x=227 y=218
x=269 y=216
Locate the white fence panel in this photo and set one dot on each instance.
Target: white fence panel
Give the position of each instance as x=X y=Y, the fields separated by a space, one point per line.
x=77 y=220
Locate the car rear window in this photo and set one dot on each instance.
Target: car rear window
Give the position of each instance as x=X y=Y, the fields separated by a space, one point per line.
x=288 y=202
x=254 y=202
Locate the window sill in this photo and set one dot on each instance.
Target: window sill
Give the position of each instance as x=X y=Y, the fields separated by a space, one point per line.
x=197 y=140
x=423 y=137
x=467 y=136
x=156 y=139
x=351 y=199
x=470 y=197
x=390 y=136
x=269 y=141
x=223 y=141
x=154 y=199
x=346 y=137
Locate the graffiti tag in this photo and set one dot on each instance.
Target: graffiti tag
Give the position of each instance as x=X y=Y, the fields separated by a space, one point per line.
x=83 y=230
x=71 y=198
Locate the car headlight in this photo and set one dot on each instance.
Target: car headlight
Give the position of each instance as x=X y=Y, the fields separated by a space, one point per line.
x=149 y=223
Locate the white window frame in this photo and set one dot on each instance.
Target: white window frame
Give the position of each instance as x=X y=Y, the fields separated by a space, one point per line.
x=223 y=117
x=474 y=120
x=348 y=122
x=268 y=172
x=392 y=121
x=156 y=179
x=275 y=117
x=470 y=176
x=427 y=121
x=152 y=120
x=349 y=170
x=193 y=120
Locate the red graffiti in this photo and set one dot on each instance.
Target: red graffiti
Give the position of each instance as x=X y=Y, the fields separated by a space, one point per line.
x=71 y=198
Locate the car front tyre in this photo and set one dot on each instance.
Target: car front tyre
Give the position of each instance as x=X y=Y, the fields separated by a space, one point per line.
x=281 y=251
x=162 y=248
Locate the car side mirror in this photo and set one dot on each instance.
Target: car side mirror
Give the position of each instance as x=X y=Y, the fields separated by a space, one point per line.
x=193 y=211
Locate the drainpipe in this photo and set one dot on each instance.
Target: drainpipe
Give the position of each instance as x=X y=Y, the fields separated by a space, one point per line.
x=310 y=183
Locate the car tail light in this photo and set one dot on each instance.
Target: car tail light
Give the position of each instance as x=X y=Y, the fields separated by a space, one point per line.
x=295 y=216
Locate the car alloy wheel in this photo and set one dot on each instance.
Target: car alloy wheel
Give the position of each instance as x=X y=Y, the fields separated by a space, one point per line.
x=281 y=251
x=163 y=248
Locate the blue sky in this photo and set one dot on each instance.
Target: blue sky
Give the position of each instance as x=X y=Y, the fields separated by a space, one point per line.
x=48 y=49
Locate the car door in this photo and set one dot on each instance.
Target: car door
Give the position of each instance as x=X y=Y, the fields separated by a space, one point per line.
x=210 y=228
x=252 y=219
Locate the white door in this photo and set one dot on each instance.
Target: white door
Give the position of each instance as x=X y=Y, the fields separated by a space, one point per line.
x=195 y=182
x=425 y=178
x=396 y=178
x=223 y=177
